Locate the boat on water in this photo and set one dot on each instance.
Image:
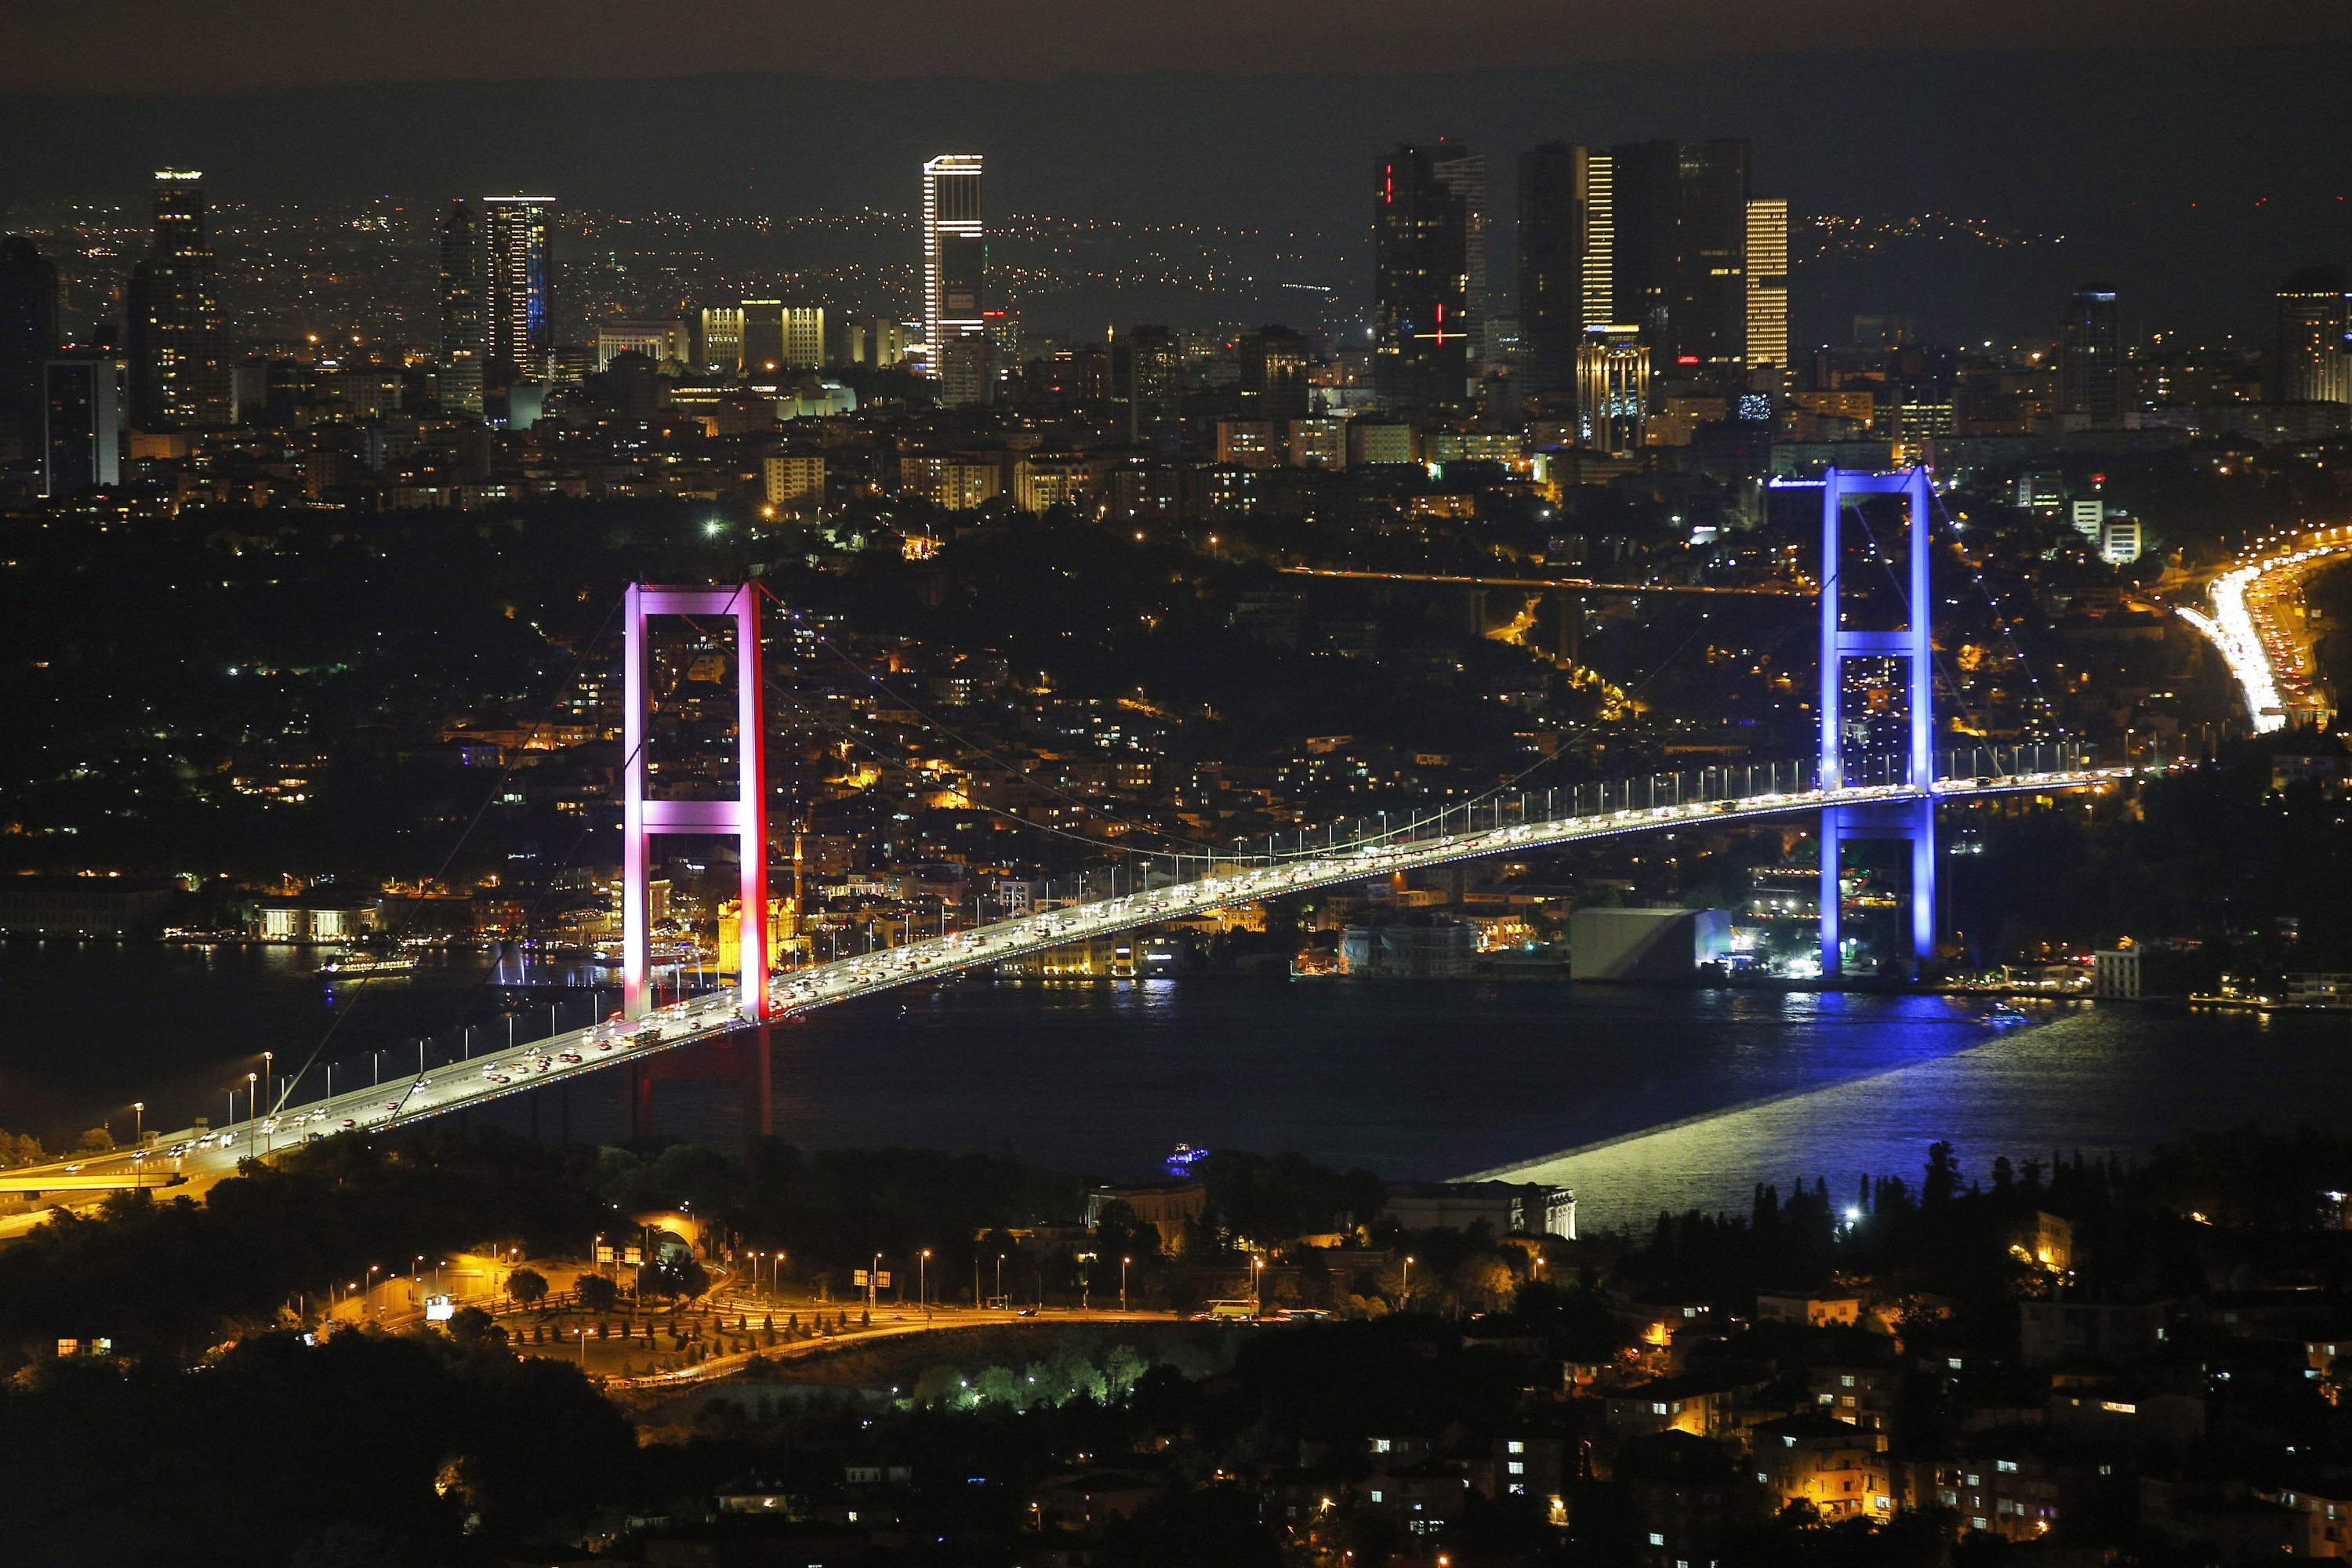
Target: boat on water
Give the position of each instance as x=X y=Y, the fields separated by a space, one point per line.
x=352 y=963
x=2005 y=1016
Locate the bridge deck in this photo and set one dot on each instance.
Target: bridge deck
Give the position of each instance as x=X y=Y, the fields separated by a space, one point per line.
x=571 y=1055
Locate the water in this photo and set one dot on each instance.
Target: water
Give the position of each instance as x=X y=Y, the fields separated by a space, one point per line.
x=1639 y=1099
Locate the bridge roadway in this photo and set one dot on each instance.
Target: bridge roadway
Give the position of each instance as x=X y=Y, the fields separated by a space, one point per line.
x=201 y=1157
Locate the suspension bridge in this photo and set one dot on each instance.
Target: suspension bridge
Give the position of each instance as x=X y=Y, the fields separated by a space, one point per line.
x=1893 y=794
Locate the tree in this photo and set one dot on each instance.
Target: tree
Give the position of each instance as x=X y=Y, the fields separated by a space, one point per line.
x=472 y=1326
x=97 y=1140
x=528 y=1287
x=598 y=1294
x=672 y=1278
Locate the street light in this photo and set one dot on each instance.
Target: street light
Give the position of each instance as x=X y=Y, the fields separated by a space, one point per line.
x=1086 y=1297
x=1122 y=1282
x=1257 y=1285
x=138 y=1123
x=1408 y=1280
x=923 y=1283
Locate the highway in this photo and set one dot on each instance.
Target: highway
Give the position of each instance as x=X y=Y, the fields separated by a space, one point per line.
x=202 y=1156
x=2270 y=658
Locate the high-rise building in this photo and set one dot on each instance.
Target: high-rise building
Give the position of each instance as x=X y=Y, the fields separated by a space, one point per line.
x=81 y=424
x=180 y=370
x=722 y=340
x=518 y=289
x=955 y=255
x=967 y=370
x=1274 y=363
x=1420 y=282
x=29 y=337
x=1768 y=293
x=2090 y=360
x=1463 y=172
x=1612 y=389
x=1679 y=243
x=1565 y=227
x=2315 y=338
x=1154 y=386
x=461 y=309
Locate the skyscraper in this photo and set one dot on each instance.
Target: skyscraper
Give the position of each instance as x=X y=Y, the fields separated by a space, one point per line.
x=2315 y=338
x=1768 y=293
x=180 y=368
x=778 y=338
x=1463 y=172
x=28 y=336
x=1680 y=252
x=2090 y=360
x=955 y=268
x=81 y=425
x=1421 y=283
x=1564 y=257
x=461 y=309
x=518 y=289
x=1274 y=363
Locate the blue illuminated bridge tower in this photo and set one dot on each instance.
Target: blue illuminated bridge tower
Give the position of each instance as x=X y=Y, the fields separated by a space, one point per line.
x=1911 y=819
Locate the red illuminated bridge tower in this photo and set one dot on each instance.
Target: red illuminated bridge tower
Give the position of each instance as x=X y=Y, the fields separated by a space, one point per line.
x=743 y=817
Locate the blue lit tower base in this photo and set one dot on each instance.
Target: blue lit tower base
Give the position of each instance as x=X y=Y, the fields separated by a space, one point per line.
x=1913 y=820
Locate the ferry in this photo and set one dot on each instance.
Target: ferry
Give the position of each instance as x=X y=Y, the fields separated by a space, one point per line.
x=350 y=964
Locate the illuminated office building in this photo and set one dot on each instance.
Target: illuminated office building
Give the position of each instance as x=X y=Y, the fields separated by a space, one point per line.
x=1613 y=388
x=722 y=340
x=518 y=287
x=955 y=268
x=779 y=338
x=1767 y=294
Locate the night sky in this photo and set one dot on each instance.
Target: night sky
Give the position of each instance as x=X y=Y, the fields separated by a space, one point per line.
x=206 y=46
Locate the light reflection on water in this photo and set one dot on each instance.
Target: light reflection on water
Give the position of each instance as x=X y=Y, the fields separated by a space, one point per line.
x=1640 y=1099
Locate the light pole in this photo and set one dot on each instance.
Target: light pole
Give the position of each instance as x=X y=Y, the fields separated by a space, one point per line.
x=1000 y=1276
x=232 y=1107
x=1407 y=1296
x=1257 y=1285
x=138 y=1124
x=923 y=1283
x=1086 y=1297
x=1122 y=1282
x=873 y=1274
x=252 y=1097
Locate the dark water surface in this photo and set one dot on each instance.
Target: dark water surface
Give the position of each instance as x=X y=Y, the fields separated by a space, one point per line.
x=1640 y=1099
